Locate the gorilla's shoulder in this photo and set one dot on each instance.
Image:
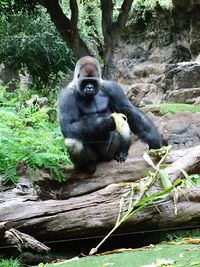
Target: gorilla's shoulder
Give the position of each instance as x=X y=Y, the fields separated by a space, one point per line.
x=67 y=90
x=67 y=94
x=109 y=83
x=110 y=87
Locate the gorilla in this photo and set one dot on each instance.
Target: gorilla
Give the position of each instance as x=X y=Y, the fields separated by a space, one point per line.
x=85 y=113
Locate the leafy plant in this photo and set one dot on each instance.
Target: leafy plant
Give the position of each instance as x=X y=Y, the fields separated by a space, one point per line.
x=31 y=43
x=10 y=263
x=142 y=199
x=141 y=8
x=149 y=5
x=178 y=235
x=90 y=19
x=27 y=136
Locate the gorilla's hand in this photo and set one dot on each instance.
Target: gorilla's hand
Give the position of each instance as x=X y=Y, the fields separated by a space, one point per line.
x=111 y=122
x=106 y=123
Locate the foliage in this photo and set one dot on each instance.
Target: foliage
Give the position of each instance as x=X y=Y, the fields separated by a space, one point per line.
x=141 y=8
x=194 y=179
x=89 y=24
x=178 y=235
x=139 y=197
x=28 y=137
x=191 y=180
x=10 y=263
x=11 y=7
x=150 y=5
x=30 y=42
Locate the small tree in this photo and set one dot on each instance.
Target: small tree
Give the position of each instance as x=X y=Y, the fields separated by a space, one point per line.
x=31 y=42
x=68 y=27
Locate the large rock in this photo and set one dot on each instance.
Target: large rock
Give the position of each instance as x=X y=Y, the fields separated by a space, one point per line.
x=186 y=95
x=195 y=32
x=182 y=82
x=181 y=130
x=149 y=88
x=146 y=46
x=182 y=75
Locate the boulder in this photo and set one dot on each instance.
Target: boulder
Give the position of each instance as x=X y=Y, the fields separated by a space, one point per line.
x=182 y=82
x=186 y=95
x=182 y=75
x=181 y=130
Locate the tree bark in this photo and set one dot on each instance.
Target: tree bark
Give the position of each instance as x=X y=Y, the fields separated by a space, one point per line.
x=95 y=213
x=66 y=27
x=112 y=30
x=23 y=241
x=69 y=30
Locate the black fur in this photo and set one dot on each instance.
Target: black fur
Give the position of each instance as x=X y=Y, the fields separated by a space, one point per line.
x=89 y=121
x=86 y=118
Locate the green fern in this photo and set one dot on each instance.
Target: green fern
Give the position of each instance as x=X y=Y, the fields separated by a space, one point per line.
x=27 y=136
x=10 y=263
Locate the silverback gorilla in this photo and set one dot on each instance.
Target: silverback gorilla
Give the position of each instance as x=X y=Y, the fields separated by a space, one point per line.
x=85 y=113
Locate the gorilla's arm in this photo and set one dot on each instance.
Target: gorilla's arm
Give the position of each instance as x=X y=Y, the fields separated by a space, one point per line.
x=73 y=125
x=139 y=123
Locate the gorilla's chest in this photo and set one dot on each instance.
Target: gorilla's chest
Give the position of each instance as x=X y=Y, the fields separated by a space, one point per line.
x=99 y=104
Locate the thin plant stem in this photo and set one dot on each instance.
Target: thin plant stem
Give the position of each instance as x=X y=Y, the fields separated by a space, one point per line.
x=138 y=204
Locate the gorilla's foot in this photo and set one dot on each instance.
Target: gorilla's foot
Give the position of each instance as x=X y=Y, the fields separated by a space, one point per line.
x=121 y=156
x=89 y=168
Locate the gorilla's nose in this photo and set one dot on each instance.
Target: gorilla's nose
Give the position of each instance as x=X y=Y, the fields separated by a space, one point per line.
x=89 y=89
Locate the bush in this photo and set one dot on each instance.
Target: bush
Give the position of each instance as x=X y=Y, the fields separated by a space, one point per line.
x=10 y=263
x=28 y=137
x=31 y=42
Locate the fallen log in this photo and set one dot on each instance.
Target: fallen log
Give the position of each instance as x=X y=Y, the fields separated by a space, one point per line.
x=95 y=213
x=24 y=242
x=107 y=173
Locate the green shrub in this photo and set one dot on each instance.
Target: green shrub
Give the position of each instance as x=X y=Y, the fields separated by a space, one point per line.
x=141 y=9
x=149 y=5
x=27 y=136
x=10 y=263
x=30 y=42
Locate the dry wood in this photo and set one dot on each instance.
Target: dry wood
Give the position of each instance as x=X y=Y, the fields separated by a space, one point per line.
x=95 y=213
x=23 y=241
x=107 y=173
x=189 y=162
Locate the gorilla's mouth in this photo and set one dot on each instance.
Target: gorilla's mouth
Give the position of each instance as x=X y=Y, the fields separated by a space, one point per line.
x=89 y=87
x=89 y=91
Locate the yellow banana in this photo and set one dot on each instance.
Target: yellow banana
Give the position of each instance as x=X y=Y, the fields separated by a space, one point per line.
x=120 y=122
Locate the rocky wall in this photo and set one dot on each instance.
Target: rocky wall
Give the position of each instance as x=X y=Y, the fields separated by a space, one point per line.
x=149 y=49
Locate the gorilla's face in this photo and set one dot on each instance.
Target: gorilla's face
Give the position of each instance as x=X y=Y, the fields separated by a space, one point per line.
x=88 y=86
x=88 y=77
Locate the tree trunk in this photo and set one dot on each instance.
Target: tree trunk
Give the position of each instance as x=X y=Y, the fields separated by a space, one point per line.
x=67 y=28
x=112 y=32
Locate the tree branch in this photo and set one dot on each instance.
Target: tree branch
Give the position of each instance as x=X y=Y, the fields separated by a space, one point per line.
x=123 y=15
x=74 y=13
x=107 y=19
x=66 y=27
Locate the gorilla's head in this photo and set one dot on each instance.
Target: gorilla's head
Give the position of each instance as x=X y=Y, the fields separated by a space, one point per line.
x=87 y=76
